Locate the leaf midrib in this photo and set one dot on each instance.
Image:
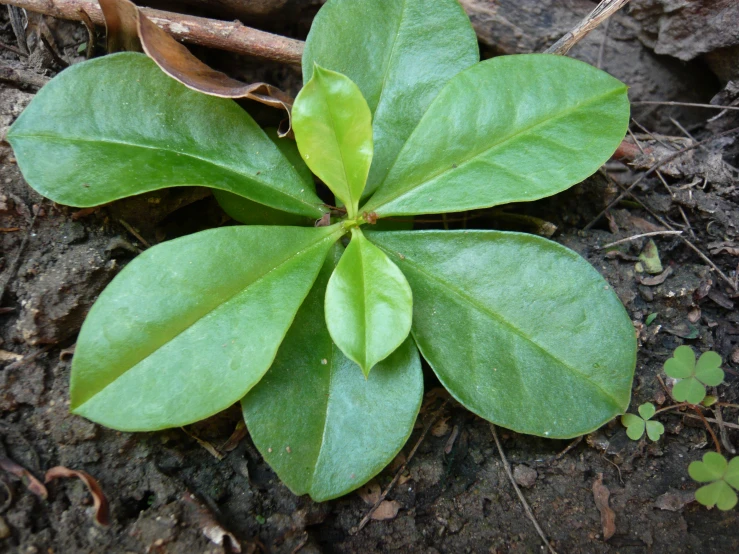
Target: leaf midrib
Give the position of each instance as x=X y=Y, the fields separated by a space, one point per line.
x=230 y=169
x=503 y=321
x=213 y=309
x=372 y=206
x=386 y=71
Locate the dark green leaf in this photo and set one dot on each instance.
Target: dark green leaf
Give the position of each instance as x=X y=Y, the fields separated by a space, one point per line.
x=333 y=129
x=400 y=53
x=318 y=422
x=369 y=304
x=521 y=330
x=188 y=327
x=510 y=129
x=245 y=211
x=117 y=126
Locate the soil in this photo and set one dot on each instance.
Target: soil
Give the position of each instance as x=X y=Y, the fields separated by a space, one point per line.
x=169 y=494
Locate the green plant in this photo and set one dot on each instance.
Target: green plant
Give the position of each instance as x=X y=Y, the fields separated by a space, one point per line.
x=723 y=479
x=320 y=344
x=693 y=377
x=637 y=424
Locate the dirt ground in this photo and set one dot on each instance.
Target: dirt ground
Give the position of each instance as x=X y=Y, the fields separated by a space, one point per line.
x=169 y=494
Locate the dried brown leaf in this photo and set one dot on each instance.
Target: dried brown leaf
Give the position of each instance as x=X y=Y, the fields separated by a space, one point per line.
x=213 y=530
x=31 y=483
x=451 y=440
x=720 y=298
x=176 y=60
x=440 y=428
x=657 y=279
x=236 y=437
x=388 y=509
x=100 y=503
x=370 y=493
x=607 y=515
x=121 y=26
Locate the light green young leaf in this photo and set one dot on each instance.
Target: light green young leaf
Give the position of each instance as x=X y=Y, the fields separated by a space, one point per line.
x=689 y=390
x=413 y=49
x=189 y=326
x=496 y=353
x=509 y=129
x=682 y=363
x=655 y=430
x=693 y=377
x=732 y=473
x=721 y=475
x=92 y=136
x=712 y=467
x=317 y=421
x=333 y=129
x=647 y=410
x=634 y=426
x=369 y=304
x=718 y=494
x=708 y=369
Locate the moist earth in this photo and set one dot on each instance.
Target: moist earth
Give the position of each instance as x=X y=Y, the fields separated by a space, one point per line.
x=206 y=488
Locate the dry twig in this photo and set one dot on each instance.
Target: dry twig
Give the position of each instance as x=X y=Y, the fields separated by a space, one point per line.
x=231 y=36
x=603 y=11
x=521 y=497
x=654 y=168
x=629 y=239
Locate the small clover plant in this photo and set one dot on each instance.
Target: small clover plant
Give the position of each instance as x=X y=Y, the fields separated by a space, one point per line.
x=637 y=424
x=320 y=341
x=693 y=378
x=723 y=479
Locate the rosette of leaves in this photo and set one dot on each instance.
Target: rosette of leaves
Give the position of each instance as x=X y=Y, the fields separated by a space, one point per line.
x=723 y=479
x=637 y=424
x=317 y=330
x=693 y=378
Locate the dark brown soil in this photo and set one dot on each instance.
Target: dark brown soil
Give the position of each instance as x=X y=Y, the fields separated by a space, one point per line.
x=168 y=494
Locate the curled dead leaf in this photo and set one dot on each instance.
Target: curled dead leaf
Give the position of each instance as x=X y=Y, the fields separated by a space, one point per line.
x=607 y=515
x=388 y=509
x=31 y=483
x=236 y=437
x=212 y=530
x=100 y=503
x=129 y=28
x=657 y=279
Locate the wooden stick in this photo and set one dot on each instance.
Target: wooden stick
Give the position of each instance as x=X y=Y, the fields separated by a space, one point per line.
x=231 y=36
x=521 y=497
x=602 y=11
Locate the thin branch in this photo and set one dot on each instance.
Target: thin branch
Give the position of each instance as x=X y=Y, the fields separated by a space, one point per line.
x=686 y=104
x=22 y=77
x=635 y=237
x=603 y=11
x=710 y=420
x=654 y=168
x=660 y=220
x=521 y=497
x=231 y=36
x=17 y=261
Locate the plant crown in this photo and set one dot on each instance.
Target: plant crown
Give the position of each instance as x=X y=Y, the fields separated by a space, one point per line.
x=320 y=343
